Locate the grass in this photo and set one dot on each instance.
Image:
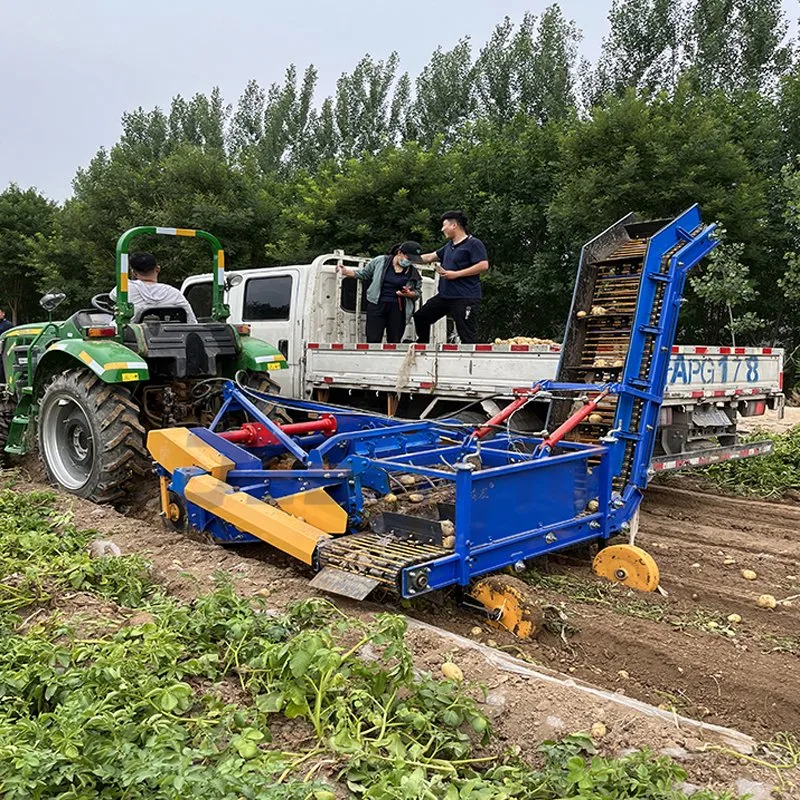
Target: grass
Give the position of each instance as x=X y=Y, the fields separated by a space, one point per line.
x=632 y=604
x=783 y=644
x=616 y=597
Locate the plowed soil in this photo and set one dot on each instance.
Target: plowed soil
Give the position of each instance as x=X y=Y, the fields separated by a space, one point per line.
x=678 y=651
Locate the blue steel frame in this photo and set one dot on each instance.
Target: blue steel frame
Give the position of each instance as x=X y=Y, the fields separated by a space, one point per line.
x=682 y=244
x=521 y=502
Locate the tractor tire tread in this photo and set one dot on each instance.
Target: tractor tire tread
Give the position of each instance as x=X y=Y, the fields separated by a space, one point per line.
x=121 y=451
x=7 y=408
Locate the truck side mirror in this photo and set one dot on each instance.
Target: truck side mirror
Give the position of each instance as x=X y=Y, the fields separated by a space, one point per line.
x=52 y=300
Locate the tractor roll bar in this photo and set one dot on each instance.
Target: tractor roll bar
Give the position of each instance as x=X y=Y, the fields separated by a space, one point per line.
x=124 y=309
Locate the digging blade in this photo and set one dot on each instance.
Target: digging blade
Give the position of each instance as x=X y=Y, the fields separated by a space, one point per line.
x=356 y=587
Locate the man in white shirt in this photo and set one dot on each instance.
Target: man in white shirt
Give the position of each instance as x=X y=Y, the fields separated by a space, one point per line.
x=146 y=292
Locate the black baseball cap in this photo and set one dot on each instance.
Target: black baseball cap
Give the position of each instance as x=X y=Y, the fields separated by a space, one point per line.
x=412 y=251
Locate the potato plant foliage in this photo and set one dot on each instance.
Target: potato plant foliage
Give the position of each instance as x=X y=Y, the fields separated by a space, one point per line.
x=771 y=476
x=138 y=695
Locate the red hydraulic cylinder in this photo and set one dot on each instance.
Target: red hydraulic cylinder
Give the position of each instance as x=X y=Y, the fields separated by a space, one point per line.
x=254 y=434
x=523 y=395
x=321 y=425
x=572 y=422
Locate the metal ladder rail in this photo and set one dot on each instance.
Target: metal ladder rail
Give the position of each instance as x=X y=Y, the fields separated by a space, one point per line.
x=699 y=246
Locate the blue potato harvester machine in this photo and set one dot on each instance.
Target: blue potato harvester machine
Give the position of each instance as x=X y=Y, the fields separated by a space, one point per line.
x=459 y=503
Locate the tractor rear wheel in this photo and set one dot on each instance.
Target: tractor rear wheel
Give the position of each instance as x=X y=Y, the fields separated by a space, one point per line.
x=90 y=436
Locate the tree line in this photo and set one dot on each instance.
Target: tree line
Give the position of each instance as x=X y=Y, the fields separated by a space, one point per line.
x=689 y=101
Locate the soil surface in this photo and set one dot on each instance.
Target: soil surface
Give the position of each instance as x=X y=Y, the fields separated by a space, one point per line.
x=770 y=421
x=678 y=652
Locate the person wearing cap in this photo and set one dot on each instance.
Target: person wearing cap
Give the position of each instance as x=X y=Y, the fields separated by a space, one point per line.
x=394 y=286
x=462 y=260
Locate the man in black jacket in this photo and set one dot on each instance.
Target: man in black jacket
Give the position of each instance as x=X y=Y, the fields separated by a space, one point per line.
x=462 y=261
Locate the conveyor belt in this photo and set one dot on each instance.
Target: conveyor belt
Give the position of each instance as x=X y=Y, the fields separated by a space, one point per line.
x=598 y=336
x=379 y=556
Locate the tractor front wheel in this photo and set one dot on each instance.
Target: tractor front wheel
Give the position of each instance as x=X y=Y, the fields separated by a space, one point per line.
x=90 y=436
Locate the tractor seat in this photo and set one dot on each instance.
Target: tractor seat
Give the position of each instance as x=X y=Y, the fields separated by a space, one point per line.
x=183 y=350
x=160 y=314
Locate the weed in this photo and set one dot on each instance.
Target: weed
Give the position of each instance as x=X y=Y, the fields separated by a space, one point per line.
x=597 y=593
x=782 y=644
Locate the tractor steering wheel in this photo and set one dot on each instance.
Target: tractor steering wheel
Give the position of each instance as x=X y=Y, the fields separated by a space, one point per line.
x=103 y=302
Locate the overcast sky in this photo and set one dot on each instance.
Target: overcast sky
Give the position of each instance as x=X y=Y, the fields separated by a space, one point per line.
x=70 y=68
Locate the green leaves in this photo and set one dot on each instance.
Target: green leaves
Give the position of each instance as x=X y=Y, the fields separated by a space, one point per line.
x=725 y=284
x=25 y=216
x=176 y=698
x=246 y=743
x=770 y=476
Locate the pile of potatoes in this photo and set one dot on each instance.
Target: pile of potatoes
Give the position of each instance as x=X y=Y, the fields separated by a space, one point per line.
x=530 y=340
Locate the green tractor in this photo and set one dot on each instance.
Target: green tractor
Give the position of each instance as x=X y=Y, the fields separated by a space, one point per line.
x=87 y=389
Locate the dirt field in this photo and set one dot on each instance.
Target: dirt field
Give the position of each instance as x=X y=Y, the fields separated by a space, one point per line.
x=770 y=422
x=677 y=652
x=680 y=651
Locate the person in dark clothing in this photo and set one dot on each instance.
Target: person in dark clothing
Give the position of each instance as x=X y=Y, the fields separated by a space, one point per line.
x=461 y=260
x=394 y=286
x=5 y=324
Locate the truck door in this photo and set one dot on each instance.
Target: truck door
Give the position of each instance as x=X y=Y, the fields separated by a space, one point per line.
x=268 y=303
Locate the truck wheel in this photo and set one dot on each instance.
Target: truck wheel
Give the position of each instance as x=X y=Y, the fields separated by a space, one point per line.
x=471 y=417
x=90 y=437
x=476 y=418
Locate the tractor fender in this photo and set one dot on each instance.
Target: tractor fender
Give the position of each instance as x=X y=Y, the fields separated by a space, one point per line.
x=258 y=356
x=111 y=361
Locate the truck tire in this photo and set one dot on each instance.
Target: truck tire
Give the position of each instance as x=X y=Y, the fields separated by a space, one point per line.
x=90 y=437
x=472 y=417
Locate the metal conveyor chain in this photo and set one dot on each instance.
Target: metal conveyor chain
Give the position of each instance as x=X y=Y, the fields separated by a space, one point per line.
x=379 y=556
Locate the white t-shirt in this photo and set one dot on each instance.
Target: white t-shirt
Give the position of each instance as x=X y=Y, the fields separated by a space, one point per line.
x=146 y=294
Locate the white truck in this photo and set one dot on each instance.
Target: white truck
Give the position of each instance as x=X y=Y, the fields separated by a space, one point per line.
x=317 y=320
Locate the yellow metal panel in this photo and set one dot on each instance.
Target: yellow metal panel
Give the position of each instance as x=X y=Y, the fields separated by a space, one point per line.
x=185 y=232
x=123 y=282
x=25 y=332
x=248 y=514
x=318 y=508
x=179 y=447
